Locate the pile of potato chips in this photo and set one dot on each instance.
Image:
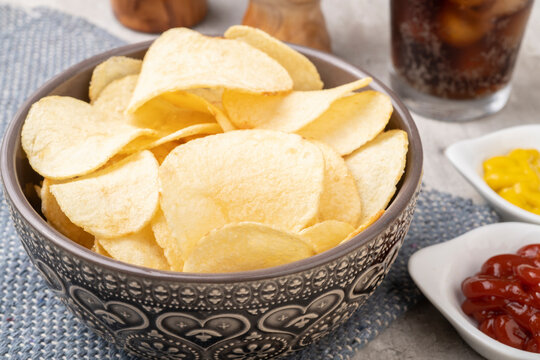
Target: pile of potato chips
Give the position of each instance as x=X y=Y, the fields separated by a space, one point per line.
x=214 y=155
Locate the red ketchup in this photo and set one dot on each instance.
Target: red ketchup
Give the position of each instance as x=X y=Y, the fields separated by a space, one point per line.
x=504 y=297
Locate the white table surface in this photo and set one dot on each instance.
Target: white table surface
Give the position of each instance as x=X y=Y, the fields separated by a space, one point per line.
x=360 y=34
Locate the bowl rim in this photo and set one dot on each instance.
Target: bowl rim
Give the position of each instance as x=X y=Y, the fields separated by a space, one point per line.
x=456 y=154
x=14 y=192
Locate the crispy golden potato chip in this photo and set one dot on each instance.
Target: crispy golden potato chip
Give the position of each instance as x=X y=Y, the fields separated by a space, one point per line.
x=115 y=96
x=196 y=100
x=246 y=246
x=283 y=112
x=377 y=167
x=166 y=240
x=199 y=129
x=351 y=121
x=327 y=234
x=339 y=199
x=97 y=248
x=113 y=68
x=158 y=114
x=302 y=71
x=364 y=226
x=64 y=137
x=160 y=152
x=214 y=96
x=182 y=59
x=150 y=142
x=54 y=215
x=139 y=249
x=251 y=175
x=114 y=160
x=168 y=120
x=37 y=190
x=114 y=201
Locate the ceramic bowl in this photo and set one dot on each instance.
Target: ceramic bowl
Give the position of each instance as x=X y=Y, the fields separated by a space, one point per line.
x=468 y=155
x=167 y=315
x=439 y=270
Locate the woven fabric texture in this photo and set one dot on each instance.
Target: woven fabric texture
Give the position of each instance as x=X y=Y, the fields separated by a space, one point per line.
x=33 y=324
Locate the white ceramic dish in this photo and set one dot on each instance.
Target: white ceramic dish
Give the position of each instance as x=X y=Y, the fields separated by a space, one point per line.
x=467 y=156
x=439 y=270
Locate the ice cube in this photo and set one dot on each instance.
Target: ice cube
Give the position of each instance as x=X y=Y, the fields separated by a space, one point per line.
x=506 y=7
x=461 y=28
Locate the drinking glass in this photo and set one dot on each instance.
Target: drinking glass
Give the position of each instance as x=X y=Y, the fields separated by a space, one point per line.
x=453 y=59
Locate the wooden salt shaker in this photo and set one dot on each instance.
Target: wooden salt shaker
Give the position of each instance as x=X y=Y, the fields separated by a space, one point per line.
x=295 y=21
x=155 y=16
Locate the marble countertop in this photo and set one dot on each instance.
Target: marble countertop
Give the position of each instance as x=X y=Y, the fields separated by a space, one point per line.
x=360 y=34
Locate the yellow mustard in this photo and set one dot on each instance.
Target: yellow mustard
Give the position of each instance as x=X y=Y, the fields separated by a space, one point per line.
x=516 y=178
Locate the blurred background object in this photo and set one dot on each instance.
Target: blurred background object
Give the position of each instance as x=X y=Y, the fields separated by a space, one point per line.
x=155 y=16
x=462 y=51
x=295 y=21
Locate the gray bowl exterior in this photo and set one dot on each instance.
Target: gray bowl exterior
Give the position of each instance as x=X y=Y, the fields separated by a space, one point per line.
x=259 y=314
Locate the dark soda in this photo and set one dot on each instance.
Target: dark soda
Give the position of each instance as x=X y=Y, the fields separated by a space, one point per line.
x=457 y=49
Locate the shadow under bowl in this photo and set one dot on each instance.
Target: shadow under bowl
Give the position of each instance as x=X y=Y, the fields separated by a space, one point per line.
x=171 y=315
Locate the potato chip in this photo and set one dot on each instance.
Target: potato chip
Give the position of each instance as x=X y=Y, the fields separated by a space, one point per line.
x=64 y=137
x=327 y=234
x=196 y=100
x=37 y=191
x=166 y=240
x=115 y=96
x=97 y=248
x=252 y=175
x=199 y=129
x=351 y=121
x=283 y=112
x=377 y=167
x=149 y=142
x=302 y=71
x=168 y=120
x=113 y=68
x=138 y=249
x=213 y=97
x=246 y=246
x=158 y=114
x=364 y=226
x=160 y=152
x=339 y=199
x=115 y=201
x=182 y=59
x=54 y=215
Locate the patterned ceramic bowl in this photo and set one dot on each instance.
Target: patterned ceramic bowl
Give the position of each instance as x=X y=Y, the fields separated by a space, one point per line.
x=249 y=315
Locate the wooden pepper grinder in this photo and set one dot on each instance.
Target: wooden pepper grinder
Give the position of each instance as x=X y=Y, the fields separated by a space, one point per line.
x=155 y=16
x=295 y=21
